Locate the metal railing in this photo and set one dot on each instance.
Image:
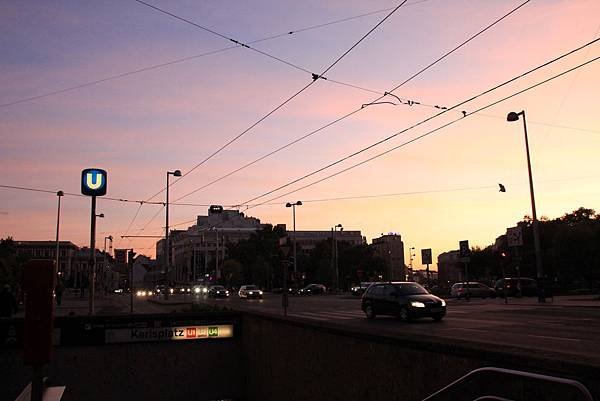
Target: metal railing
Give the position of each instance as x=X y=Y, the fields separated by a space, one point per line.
x=495 y=384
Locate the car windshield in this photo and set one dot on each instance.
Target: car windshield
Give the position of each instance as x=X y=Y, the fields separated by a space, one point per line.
x=410 y=289
x=251 y=287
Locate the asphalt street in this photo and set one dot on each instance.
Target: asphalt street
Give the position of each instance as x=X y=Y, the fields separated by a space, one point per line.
x=560 y=330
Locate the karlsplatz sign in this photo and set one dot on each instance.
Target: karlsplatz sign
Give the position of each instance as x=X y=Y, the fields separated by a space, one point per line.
x=133 y=335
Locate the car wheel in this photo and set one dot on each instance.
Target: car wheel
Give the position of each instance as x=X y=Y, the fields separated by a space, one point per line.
x=404 y=315
x=437 y=318
x=369 y=312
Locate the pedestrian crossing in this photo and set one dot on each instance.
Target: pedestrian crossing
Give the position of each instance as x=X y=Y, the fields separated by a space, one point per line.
x=328 y=315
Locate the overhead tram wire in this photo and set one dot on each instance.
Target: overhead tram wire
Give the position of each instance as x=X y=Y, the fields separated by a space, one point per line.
x=424 y=121
x=427 y=133
x=315 y=78
x=351 y=113
x=193 y=57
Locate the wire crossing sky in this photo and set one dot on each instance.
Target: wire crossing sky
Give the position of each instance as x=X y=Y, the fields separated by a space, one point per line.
x=123 y=87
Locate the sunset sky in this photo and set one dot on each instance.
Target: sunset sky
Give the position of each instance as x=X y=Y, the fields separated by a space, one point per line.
x=138 y=125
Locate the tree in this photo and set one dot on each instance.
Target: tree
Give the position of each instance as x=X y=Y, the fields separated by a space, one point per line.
x=11 y=266
x=259 y=257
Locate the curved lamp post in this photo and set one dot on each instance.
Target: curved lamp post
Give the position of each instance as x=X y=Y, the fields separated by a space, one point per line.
x=513 y=116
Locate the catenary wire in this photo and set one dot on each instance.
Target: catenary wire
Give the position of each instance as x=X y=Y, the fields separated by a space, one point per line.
x=425 y=120
x=409 y=102
x=193 y=57
x=315 y=77
x=429 y=132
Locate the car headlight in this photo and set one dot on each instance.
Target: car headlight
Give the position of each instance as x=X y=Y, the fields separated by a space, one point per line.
x=443 y=303
x=139 y=293
x=226 y=292
x=171 y=290
x=260 y=293
x=417 y=304
x=205 y=290
x=197 y=290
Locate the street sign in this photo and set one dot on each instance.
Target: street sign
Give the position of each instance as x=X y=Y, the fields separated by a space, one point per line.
x=426 y=256
x=464 y=251
x=514 y=236
x=93 y=182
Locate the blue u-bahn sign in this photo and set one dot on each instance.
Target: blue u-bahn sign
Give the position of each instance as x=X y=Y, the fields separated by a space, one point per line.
x=93 y=182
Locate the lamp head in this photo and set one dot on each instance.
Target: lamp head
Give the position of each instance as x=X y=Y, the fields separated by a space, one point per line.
x=101 y=215
x=299 y=203
x=60 y=193
x=288 y=204
x=177 y=173
x=512 y=116
x=110 y=237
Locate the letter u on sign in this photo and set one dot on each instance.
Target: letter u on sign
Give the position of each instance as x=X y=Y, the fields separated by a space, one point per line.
x=93 y=182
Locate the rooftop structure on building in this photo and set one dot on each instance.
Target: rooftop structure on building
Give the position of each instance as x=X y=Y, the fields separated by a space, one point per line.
x=390 y=248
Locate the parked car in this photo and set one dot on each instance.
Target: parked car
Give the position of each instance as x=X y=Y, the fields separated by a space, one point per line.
x=407 y=300
x=515 y=287
x=472 y=289
x=313 y=289
x=218 y=291
x=358 y=290
x=250 y=291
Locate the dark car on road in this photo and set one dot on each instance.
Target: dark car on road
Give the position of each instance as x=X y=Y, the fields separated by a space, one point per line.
x=360 y=289
x=218 y=291
x=313 y=289
x=406 y=300
x=516 y=287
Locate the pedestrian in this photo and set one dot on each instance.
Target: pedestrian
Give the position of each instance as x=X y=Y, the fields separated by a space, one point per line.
x=8 y=302
x=58 y=291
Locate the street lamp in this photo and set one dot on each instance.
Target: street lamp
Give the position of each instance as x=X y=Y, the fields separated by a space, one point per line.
x=293 y=206
x=59 y=194
x=513 y=116
x=176 y=173
x=335 y=253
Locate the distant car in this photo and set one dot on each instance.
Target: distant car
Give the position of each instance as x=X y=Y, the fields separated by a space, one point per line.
x=358 y=290
x=472 y=289
x=514 y=286
x=200 y=289
x=250 y=291
x=144 y=293
x=313 y=289
x=218 y=291
x=406 y=300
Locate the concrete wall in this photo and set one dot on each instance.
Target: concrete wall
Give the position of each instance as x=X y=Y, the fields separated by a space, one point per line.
x=199 y=370
x=277 y=359
x=301 y=361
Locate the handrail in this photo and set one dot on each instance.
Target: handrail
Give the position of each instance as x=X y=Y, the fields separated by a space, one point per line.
x=580 y=388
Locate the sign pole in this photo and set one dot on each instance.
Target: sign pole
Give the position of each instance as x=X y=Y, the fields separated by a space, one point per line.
x=92 y=273
x=284 y=298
